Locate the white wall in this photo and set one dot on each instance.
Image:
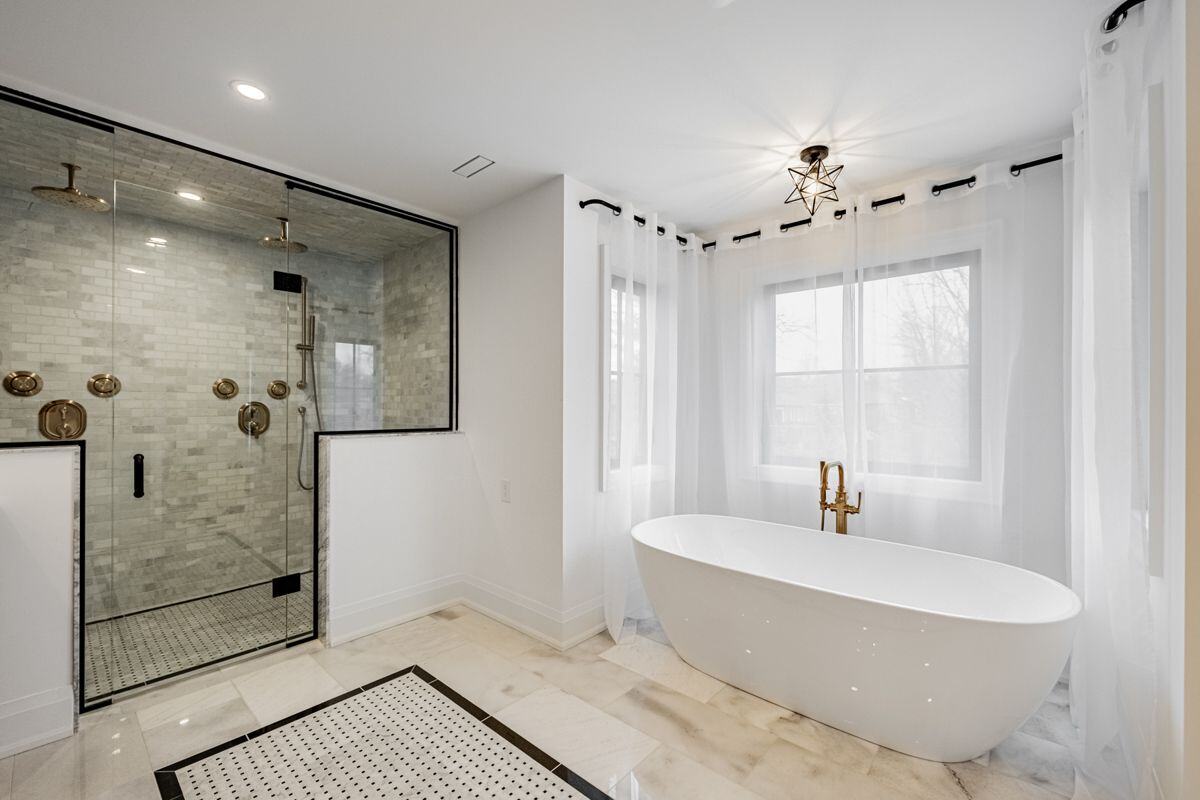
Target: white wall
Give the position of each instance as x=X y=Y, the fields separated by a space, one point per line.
x=582 y=303
x=1177 y=594
x=511 y=398
x=37 y=501
x=400 y=508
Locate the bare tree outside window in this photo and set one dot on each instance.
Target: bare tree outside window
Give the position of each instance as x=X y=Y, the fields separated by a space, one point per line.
x=919 y=376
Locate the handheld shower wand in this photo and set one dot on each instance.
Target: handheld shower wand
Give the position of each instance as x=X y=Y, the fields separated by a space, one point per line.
x=306 y=347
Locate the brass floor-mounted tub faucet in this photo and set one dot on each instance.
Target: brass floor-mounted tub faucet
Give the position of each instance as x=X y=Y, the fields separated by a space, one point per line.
x=839 y=506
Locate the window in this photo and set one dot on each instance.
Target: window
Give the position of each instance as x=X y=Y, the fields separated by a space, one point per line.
x=626 y=325
x=354 y=404
x=919 y=380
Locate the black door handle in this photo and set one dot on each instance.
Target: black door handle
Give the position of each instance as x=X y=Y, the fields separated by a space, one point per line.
x=139 y=470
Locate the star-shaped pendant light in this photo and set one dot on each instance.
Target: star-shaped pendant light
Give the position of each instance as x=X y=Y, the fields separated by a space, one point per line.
x=816 y=182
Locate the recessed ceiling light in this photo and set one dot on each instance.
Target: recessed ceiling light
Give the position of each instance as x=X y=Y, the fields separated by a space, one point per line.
x=248 y=90
x=189 y=195
x=156 y=240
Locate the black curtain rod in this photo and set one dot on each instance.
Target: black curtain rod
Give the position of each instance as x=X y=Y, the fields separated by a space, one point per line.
x=887 y=201
x=935 y=190
x=1015 y=169
x=1114 y=20
x=595 y=201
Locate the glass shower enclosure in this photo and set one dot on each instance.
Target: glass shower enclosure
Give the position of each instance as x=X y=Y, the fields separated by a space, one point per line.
x=199 y=322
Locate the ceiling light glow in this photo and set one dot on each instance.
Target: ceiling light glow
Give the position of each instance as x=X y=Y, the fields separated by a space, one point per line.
x=816 y=182
x=248 y=90
x=189 y=195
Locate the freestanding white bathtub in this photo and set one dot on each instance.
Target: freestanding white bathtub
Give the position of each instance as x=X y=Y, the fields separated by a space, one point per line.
x=937 y=655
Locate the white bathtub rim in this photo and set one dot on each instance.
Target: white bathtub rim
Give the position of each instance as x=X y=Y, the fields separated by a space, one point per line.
x=1074 y=611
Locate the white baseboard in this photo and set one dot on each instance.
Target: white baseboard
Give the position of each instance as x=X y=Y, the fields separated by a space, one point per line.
x=36 y=719
x=557 y=629
x=347 y=622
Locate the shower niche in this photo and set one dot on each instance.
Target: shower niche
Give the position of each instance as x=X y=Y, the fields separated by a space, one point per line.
x=210 y=320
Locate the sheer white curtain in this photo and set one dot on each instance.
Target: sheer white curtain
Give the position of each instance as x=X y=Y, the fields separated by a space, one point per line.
x=920 y=344
x=639 y=274
x=1113 y=666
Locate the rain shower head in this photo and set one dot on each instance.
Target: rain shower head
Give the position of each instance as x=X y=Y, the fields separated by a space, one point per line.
x=282 y=242
x=70 y=196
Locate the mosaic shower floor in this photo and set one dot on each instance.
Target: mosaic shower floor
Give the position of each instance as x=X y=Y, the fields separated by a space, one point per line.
x=131 y=650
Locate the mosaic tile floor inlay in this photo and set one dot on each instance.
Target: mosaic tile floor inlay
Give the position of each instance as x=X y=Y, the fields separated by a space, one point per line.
x=132 y=650
x=405 y=735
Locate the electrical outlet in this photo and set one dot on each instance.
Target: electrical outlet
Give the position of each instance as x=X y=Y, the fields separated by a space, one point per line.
x=505 y=491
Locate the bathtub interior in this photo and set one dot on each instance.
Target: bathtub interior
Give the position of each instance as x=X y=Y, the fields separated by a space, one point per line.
x=870 y=569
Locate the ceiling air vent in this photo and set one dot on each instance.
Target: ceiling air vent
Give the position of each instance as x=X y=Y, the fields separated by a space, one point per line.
x=476 y=165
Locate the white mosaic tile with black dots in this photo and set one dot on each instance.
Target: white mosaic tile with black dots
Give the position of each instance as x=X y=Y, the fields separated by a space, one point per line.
x=129 y=651
x=400 y=738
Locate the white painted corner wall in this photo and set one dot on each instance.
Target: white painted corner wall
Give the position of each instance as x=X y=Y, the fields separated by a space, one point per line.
x=420 y=522
x=37 y=531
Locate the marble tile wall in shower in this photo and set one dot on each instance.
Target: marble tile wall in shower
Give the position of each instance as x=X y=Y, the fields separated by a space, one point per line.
x=222 y=510
x=416 y=324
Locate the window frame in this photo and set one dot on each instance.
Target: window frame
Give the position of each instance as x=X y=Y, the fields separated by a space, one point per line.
x=618 y=371
x=971 y=258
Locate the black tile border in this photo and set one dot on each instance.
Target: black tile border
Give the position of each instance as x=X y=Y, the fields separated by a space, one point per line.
x=168 y=782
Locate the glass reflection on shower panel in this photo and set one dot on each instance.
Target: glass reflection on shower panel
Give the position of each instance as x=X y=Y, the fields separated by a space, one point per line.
x=56 y=318
x=196 y=313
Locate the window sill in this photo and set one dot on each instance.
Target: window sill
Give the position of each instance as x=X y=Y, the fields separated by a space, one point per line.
x=913 y=485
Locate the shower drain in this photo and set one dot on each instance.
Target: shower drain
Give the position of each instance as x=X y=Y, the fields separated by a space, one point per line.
x=405 y=736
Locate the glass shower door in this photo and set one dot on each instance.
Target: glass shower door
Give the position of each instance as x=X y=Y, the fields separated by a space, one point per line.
x=200 y=433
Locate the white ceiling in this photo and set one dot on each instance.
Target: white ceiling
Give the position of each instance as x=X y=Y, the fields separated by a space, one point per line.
x=688 y=107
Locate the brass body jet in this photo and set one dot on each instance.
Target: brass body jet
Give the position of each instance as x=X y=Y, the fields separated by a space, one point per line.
x=840 y=508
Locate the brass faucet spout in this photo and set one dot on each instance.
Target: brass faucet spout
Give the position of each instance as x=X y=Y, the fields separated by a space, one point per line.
x=840 y=507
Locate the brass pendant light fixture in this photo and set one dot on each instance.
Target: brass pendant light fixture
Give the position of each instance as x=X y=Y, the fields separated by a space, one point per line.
x=816 y=182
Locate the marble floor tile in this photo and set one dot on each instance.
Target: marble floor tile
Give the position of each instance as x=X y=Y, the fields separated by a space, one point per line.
x=361 y=661
x=599 y=747
x=669 y=775
x=787 y=772
x=932 y=779
x=175 y=708
x=198 y=729
x=825 y=741
x=1052 y=722
x=285 y=688
x=580 y=671
x=1060 y=695
x=487 y=679
x=661 y=663
x=652 y=629
x=419 y=639
x=143 y=788
x=100 y=757
x=982 y=783
x=1035 y=761
x=6 y=771
x=246 y=666
x=486 y=631
x=720 y=742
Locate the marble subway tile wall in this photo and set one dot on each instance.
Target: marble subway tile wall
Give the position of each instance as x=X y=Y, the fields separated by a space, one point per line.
x=221 y=509
x=56 y=320
x=416 y=324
